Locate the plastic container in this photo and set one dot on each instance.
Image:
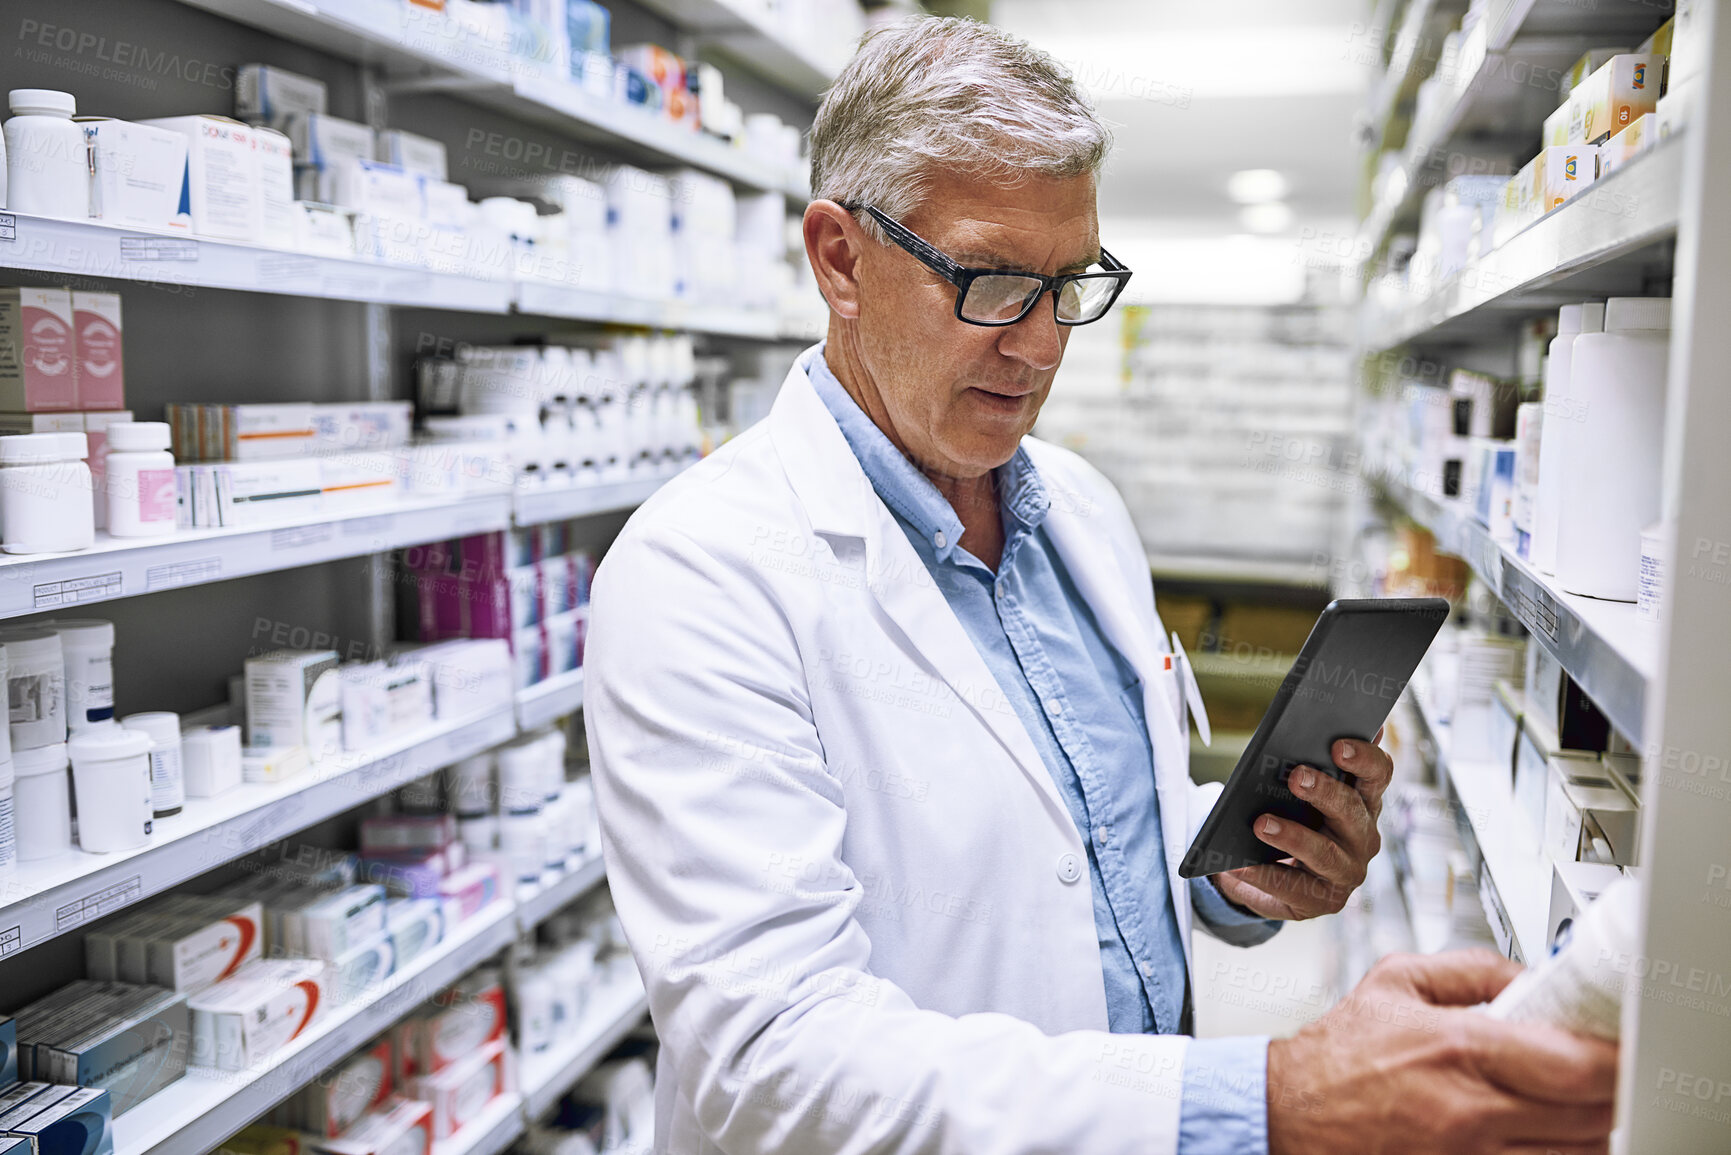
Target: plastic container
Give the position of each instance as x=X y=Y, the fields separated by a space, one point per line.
x=87 y=645
x=46 y=500
x=167 y=786
x=211 y=760
x=522 y=840
x=42 y=802
x=1655 y=573
x=1561 y=416
x=469 y=786
x=140 y=479
x=522 y=775
x=47 y=155
x=35 y=687
x=1580 y=988
x=111 y=782
x=1611 y=483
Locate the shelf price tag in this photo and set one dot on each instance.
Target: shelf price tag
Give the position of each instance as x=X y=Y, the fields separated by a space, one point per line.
x=8 y=227
x=140 y=248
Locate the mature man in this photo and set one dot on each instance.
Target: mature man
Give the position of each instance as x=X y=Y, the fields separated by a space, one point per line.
x=890 y=764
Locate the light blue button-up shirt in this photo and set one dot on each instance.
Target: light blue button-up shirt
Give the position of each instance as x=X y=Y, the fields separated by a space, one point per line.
x=1081 y=703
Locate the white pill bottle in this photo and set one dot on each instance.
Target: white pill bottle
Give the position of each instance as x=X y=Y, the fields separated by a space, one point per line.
x=140 y=479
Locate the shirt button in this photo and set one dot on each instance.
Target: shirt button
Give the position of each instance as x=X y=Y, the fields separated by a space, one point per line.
x=1102 y=834
x=1069 y=867
x=1054 y=707
x=938 y=539
x=1147 y=970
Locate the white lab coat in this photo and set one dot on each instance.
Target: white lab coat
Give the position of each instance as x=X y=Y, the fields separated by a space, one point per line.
x=859 y=904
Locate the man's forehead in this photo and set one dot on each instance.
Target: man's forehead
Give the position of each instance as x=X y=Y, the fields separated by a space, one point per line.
x=988 y=237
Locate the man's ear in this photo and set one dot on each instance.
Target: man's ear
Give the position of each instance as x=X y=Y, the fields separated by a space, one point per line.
x=833 y=242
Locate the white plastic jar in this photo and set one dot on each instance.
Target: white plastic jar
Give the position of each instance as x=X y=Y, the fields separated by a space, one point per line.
x=42 y=802
x=522 y=841
x=111 y=782
x=167 y=786
x=522 y=777
x=46 y=502
x=87 y=646
x=139 y=482
x=35 y=687
x=469 y=786
x=1611 y=477
x=1562 y=416
x=47 y=155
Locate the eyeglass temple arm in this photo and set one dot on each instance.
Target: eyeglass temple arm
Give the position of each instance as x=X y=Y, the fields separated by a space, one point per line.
x=922 y=251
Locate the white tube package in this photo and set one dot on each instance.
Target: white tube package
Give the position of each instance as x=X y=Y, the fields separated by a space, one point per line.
x=1581 y=987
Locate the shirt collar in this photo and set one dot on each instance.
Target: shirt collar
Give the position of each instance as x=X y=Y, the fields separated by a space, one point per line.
x=901 y=485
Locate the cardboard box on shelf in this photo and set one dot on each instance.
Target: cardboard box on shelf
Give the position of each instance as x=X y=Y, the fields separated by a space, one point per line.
x=137 y=173
x=222 y=175
x=1619 y=90
x=38 y=351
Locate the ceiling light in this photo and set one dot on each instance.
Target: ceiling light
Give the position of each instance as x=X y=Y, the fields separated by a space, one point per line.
x=1254 y=186
x=1273 y=217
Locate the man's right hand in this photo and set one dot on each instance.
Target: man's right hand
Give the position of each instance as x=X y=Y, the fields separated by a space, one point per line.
x=1401 y=1065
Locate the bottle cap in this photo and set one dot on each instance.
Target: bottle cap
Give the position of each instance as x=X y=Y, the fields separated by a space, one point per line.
x=1638 y=313
x=41 y=102
x=137 y=436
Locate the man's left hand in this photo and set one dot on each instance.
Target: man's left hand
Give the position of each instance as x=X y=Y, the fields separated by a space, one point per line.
x=1326 y=865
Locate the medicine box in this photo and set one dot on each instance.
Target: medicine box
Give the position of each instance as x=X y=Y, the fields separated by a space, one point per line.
x=81 y=1123
x=419 y=155
x=329 y=925
x=276 y=188
x=294 y=698
x=38 y=351
x=97 y=334
x=461 y=1091
x=356 y=971
x=414 y=925
x=137 y=174
x=399 y=1125
x=459 y=1022
x=137 y=1044
x=276 y=96
x=194 y=952
x=244 y=1020
x=1620 y=90
x=337 y=1099
x=8 y=1051
x=1562 y=171
x=1574 y=887
x=469 y=891
x=221 y=175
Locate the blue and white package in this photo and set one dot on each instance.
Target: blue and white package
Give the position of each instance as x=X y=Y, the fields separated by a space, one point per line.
x=80 y=1124
x=8 y=1051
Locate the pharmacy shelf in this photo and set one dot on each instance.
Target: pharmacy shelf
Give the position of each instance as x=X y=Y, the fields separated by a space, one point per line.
x=544 y=702
x=1405 y=62
x=552 y=299
x=64 y=894
x=561 y=503
x=1269 y=571
x=420 y=49
x=1500 y=104
x=552 y=897
x=1508 y=849
x=199 y=1111
x=125 y=567
x=1605 y=648
x=747 y=33
x=489 y=1133
x=611 y=1014
x=85 y=249
x=1604 y=242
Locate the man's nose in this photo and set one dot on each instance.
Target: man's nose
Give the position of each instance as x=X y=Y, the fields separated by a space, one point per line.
x=1034 y=340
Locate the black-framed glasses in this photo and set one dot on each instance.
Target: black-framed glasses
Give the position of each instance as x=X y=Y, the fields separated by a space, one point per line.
x=1004 y=296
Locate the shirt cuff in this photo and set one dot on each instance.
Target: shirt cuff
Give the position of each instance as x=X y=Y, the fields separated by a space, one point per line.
x=1224 y=1106
x=1225 y=921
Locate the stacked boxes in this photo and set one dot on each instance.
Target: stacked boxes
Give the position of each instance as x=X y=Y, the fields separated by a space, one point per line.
x=124 y=1040
x=60 y=351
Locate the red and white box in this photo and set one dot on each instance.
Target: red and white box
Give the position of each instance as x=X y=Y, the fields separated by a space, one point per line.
x=38 y=351
x=460 y=1022
x=101 y=354
x=461 y=1092
x=399 y=1127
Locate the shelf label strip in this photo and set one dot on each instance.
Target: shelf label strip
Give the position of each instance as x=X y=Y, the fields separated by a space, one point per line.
x=99 y=902
x=95 y=588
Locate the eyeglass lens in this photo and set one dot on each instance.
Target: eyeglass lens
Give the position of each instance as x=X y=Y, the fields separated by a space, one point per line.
x=1004 y=297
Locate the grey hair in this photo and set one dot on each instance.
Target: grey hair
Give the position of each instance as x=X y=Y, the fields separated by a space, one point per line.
x=933 y=93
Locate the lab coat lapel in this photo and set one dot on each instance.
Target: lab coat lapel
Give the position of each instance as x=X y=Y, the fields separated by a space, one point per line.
x=1103 y=584
x=842 y=504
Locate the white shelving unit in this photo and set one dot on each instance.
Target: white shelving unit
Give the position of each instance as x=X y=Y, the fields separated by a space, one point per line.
x=124 y=567
x=751 y=38
x=1661 y=216
x=54 y=896
x=419 y=48
x=89 y=249
x=556 y=503
x=556 y=697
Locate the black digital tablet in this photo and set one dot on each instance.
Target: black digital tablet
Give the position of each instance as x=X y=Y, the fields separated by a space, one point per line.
x=1353 y=666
